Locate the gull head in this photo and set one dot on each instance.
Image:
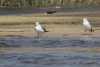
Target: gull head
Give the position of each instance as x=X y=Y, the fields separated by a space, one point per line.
x=85 y=19
x=37 y=23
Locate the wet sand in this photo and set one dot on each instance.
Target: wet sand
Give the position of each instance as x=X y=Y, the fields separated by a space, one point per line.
x=76 y=43
x=54 y=29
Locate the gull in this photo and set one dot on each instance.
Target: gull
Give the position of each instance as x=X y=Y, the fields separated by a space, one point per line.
x=87 y=26
x=40 y=29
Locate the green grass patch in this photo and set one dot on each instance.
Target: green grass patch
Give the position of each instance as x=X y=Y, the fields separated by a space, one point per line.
x=47 y=2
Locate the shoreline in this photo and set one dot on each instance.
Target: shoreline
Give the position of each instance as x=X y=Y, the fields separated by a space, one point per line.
x=71 y=17
x=61 y=23
x=63 y=30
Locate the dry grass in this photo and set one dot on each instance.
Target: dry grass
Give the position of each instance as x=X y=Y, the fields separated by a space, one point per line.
x=29 y=20
x=20 y=19
x=57 y=18
x=45 y=19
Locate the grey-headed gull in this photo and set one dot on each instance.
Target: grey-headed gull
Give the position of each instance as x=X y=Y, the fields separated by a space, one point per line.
x=87 y=25
x=40 y=29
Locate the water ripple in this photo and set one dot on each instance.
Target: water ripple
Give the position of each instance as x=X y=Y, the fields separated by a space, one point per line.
x=50 y=51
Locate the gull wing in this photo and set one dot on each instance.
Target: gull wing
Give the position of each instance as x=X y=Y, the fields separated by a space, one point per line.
x=43 y=27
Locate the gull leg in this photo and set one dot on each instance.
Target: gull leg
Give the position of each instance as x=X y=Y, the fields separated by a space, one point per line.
x=91 y=33
x=38 y=36
x=41 y=36
x=85 y=32
x=91 y=36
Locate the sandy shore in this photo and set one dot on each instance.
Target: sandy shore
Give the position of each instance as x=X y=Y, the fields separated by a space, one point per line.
x=70 y=23
x=55 y=29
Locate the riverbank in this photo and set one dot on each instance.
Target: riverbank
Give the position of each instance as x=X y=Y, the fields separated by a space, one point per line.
x=25 y=3
x=54 y=29
x=70 y=17
x=60 y=23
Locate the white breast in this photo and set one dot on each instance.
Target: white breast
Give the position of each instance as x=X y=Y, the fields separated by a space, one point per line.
x=39 y=30
x=87 y=24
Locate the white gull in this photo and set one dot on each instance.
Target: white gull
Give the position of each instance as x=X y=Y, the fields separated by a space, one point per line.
x=40 y=29
x=87 y=25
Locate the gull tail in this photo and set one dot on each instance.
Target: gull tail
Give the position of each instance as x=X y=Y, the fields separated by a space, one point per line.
x=92 y=30
x=54 y=11
x=46 y=31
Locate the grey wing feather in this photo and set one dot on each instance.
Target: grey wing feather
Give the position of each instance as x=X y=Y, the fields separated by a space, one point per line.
x=43 y=27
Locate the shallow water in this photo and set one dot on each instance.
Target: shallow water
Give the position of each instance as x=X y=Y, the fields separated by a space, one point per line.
x=26 y=11
x=51 y=51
